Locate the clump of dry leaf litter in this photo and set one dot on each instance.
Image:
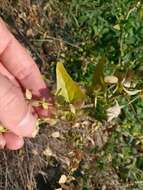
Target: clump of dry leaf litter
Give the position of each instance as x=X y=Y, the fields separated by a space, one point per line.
x=64 y=142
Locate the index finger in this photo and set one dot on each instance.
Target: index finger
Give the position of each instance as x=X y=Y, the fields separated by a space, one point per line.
x=19 y=63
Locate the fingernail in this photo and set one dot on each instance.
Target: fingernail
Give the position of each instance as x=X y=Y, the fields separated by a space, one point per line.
x=27 y=126
x=43 y=93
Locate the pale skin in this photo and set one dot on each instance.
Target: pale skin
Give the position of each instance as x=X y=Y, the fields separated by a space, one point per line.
x=18 y=71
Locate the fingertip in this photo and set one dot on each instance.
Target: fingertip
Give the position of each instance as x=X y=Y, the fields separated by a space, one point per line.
x=27 y=126
x=13 y=142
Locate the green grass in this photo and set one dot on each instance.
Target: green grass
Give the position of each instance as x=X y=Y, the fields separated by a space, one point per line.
x=113 y=29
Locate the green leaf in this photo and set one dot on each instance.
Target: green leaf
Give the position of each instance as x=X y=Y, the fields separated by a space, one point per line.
x=66 y=87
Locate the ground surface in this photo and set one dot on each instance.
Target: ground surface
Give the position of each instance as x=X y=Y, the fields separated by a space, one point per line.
x=91 y=150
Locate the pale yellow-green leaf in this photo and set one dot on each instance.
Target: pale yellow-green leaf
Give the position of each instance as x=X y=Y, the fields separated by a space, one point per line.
x=50 y=121
x=56 y=134
x=111 y=79
x=131 y=92
x=66 y=87
x=2 y=129
x=28 y=94
x=45 y=105
x=114 y=112
x=95 y=102
x=117 y=27
x=35 y=132
x=63 y=179
x=126 y=83
x=35 y=103
x=73 y=109
x=48 y=152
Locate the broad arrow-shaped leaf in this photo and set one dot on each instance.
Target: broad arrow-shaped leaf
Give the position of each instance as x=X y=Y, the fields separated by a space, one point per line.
x=66 y=87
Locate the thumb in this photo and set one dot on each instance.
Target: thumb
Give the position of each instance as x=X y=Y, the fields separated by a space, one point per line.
x=15 y=114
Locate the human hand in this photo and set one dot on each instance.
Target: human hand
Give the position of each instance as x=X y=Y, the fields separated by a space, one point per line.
x=18 y=72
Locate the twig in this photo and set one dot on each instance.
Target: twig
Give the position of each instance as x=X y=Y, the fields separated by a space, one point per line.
x=57 y=39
